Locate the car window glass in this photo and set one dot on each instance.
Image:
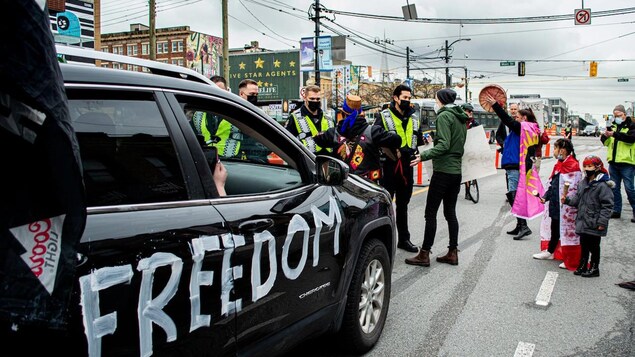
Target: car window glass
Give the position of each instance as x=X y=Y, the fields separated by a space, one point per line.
x=127 y=154
x=253 y=163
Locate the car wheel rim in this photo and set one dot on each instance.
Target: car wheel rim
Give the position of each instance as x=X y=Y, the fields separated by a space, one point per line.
x=372 y=297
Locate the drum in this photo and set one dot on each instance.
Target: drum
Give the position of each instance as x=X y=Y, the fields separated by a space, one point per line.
x=497 y=92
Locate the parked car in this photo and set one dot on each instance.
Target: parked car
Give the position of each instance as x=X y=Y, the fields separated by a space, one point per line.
x=298 y=248
x=591 y=130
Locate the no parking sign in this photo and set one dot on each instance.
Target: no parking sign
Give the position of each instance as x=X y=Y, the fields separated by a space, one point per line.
x=582 y=16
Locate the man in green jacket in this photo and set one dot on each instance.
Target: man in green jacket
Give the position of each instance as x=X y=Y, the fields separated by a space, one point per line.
x=445 y=183
x=619 y=140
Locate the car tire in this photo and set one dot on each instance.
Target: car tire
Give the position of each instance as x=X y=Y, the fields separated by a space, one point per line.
x=368 y=299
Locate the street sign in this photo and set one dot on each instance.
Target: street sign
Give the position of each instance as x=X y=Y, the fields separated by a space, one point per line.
x=508 y=63
x=622 y=79
x=582 y=16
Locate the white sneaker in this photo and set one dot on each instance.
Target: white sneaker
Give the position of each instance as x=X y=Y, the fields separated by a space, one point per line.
x=544 y=255
x=562 y=266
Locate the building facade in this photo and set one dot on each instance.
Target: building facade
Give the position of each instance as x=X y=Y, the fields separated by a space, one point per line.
x=175 y=45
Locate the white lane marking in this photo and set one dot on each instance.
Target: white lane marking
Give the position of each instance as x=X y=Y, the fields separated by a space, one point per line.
x=544 y=294
x=524 y=349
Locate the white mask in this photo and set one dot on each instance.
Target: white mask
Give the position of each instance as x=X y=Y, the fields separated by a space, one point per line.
x=618 y=121
x=437 y=107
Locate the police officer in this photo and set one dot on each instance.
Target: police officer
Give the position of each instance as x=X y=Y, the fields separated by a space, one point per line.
x=309 y=119
x=217 y=131
x=356 y=142
x=398 y=164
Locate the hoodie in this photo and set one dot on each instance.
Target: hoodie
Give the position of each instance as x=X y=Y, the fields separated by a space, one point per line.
x=447 y=153
x=594 y=200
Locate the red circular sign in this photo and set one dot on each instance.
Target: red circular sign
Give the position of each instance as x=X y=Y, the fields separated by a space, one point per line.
x=583 y=17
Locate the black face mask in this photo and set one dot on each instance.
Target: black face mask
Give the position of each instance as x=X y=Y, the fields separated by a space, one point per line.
x=590 y=173
x=404 y=105
x=253 y=99
x=313 y=106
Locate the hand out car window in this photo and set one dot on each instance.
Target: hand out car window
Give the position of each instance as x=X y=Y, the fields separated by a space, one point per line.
x=253 y=165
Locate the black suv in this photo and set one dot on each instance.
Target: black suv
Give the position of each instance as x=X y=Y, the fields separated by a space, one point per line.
x=297 y=248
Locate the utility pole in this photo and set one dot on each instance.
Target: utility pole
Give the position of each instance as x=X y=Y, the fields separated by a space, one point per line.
x=447 y=69
x=407 y=62
x=153 y=34
x=315 y=46
x=225 y=41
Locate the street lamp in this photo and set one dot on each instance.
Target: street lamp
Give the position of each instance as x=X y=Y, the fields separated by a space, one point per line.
x=447 y=59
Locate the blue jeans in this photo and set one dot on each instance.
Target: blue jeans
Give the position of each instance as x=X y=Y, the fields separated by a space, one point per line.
x=512 y=179
x=618 y=173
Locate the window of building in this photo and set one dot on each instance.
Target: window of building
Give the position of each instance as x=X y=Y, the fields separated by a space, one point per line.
x=162 y=47
x=116 y=65
x=178 y=61
x=145 y=48
x=104 y=49
x=104 y=65
x=133 y=50
x=118 y=50
x=177 y=46
x=127 y=154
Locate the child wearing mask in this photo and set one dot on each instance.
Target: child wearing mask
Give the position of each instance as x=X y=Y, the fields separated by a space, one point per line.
x=594 y=200
x=558 y=239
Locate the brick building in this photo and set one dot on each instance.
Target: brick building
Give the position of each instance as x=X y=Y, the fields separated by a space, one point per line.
x=175 y=45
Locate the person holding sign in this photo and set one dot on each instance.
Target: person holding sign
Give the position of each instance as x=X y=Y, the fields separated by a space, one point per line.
x=445 y=183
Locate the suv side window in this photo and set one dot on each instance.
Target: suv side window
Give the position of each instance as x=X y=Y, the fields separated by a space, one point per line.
x=253 y=162
x=126 y=151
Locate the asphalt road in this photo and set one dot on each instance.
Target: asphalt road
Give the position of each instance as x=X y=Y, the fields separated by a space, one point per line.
x=486 y=306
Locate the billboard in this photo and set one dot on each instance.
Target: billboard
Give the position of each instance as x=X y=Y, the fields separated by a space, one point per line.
x=203 y=54
x=277 y=73
x=325 y=54
x=307 y=54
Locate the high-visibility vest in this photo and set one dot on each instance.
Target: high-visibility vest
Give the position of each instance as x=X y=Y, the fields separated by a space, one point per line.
x=620 y=151
x=230 y=136
x=408 y=136
x=306 y=130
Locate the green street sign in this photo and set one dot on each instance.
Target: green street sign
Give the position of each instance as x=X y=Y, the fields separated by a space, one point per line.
x=622 y=79
x=508 y=63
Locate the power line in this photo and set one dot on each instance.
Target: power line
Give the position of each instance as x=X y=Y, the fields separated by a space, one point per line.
x=263 y=24
x=482 y=21
x=262 y=33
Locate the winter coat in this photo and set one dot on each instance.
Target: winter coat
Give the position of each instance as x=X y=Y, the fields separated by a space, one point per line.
x=447 y=153
x=359 y=146
x=594 y=201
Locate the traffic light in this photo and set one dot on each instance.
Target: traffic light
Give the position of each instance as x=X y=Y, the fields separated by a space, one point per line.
x=521 y=68
x=593 y=69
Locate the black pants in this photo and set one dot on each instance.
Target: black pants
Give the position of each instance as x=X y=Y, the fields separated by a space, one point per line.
x=443 y=188
x=398 y=181
x=590 y=244
x=555 y=234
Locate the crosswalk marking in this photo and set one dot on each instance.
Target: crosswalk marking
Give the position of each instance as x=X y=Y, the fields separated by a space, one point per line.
x=544 y=294
x=524 y=349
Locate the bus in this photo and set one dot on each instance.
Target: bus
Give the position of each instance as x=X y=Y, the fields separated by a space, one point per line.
x=424 y=111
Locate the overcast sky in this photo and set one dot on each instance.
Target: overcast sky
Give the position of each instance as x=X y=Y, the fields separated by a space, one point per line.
x=609 y=40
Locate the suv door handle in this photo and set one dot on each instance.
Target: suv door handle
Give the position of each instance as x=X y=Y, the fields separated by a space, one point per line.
x=255 y=226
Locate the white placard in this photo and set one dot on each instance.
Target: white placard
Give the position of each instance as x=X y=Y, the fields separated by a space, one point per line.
x=478 y=157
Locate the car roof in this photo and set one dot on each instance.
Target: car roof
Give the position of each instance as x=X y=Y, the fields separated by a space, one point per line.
x=80 y=73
